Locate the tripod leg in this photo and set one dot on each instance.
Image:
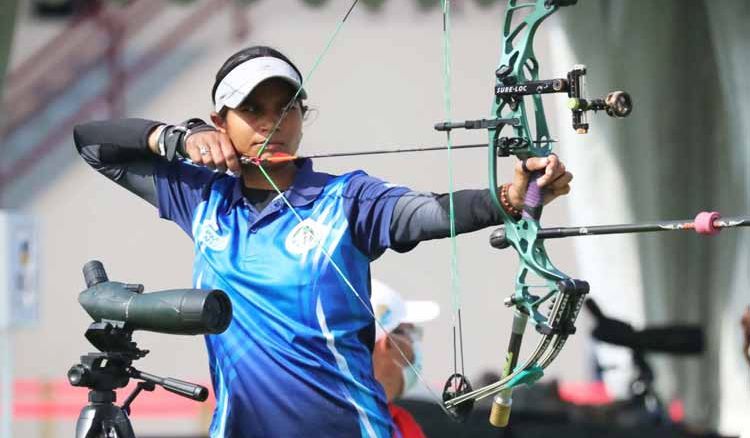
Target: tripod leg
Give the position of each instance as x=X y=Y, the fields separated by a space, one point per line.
x=103 y=421
x=122 y=426
x=89 y=424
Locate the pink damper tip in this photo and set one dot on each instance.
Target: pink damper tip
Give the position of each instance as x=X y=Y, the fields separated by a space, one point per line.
x=704 y=223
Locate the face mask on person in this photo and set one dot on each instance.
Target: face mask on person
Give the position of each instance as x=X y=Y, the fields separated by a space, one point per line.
x=410 y=373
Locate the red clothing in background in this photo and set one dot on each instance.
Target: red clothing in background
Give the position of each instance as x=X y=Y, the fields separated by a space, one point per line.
x=406 y=426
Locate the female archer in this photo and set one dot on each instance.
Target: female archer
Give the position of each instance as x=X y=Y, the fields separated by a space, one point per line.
x=296 y=359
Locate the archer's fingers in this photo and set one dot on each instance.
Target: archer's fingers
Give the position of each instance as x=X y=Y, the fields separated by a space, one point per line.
x=206 y=155
x=230 y=154
x=552 y=171
x=561 y=181
x=534 y=164
x=558 y=187
x=193 y=154
x=524 y=168
x=193 y=146
x=217 y=156
x=550 y=194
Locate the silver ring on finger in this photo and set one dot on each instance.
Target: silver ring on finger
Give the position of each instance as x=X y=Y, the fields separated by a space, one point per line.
x=203 y=150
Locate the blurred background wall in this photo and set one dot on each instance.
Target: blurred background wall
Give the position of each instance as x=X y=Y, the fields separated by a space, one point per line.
x=684 y=148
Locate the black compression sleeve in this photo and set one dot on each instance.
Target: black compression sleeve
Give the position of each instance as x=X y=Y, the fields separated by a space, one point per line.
x=119 y=150
x=121 y=140
x=424 y=216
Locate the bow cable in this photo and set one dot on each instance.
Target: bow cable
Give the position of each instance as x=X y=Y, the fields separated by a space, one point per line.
x=458 y=349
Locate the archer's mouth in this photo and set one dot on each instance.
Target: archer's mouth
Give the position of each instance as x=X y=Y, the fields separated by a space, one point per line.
x=272 y=149
x=271 y=146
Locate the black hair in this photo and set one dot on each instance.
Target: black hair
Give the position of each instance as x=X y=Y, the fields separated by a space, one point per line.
x=242 y=56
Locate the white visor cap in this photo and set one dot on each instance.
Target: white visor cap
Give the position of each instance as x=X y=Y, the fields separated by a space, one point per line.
x=391 y=310
x=242 y=80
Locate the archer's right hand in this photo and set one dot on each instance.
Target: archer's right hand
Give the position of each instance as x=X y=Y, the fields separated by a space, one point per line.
x=214 y=150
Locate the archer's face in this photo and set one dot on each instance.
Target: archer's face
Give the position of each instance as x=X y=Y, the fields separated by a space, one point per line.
x=249 y=125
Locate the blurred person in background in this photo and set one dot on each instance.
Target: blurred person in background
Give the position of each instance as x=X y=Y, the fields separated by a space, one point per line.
x=399 y=320
x=297 y=358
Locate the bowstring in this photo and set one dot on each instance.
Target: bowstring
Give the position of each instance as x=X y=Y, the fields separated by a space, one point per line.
x=299 y=218
x=306 y=79
x=458 y=348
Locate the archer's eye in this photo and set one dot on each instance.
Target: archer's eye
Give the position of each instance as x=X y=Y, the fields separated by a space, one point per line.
x=248 y=108
x=291 y=106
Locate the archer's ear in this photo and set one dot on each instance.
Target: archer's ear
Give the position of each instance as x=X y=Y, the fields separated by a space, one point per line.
x=219 y=122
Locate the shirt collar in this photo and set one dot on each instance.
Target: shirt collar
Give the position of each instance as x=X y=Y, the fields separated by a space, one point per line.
x=307 y=185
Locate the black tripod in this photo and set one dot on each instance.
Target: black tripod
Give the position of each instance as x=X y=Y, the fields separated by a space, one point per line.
x=104 y=372
x=111 y=368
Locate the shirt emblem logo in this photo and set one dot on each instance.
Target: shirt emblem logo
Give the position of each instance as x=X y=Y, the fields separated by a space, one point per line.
x=307 y=235
x=209 y=236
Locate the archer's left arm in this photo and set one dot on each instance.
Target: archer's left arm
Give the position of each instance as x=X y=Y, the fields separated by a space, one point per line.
x=384 y=216
x=426 y=216
x=419 y=216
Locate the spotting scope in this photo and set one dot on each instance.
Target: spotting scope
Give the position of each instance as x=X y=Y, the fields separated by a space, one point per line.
x=118 y=309
x=176 y=311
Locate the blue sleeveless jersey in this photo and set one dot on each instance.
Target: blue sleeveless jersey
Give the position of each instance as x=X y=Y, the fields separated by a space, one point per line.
x=296 y=359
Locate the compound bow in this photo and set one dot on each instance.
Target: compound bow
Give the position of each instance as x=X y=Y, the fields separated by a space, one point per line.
x=517 y=78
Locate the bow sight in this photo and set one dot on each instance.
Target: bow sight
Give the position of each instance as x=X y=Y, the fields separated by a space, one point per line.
x=617 y=104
